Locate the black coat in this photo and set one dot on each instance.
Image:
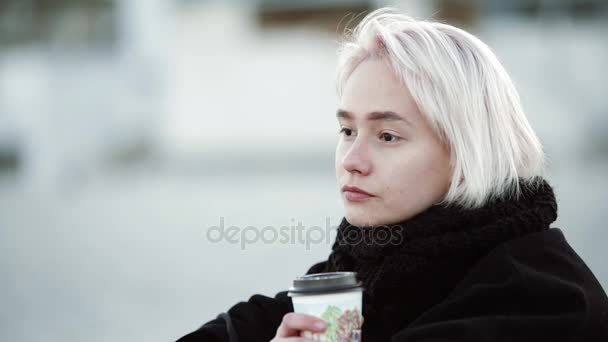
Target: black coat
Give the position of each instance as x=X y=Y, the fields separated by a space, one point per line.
x=535 y=288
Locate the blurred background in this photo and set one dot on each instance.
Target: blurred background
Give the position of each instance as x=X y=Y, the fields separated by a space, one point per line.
x=129 y=128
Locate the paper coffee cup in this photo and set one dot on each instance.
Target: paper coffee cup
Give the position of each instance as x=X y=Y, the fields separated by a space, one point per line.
x=335 y=297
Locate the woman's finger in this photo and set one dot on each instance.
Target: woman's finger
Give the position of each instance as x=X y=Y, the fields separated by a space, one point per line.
x=293 y=323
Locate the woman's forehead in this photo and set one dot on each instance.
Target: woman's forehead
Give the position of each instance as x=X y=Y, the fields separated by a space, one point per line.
x=373 y=87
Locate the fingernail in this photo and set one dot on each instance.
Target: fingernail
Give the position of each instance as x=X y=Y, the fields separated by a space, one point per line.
x=319 y=324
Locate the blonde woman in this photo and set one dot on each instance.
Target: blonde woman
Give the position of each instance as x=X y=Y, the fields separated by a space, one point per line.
x=436 y=153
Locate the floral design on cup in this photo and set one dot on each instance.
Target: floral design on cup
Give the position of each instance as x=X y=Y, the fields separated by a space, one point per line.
x=336 y=298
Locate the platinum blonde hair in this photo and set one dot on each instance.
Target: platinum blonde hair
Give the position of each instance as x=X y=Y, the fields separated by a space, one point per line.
x=464 y=93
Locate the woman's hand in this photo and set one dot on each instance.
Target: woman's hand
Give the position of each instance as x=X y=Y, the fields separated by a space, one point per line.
x=293 y=323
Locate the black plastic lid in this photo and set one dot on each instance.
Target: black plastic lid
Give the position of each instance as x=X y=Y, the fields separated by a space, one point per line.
x=325 y=282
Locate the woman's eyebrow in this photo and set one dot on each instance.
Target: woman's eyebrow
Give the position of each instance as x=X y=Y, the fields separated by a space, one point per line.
x=375 y=116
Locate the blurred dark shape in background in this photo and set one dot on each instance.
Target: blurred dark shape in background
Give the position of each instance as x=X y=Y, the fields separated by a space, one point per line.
x=274 y=14
x=83 y=23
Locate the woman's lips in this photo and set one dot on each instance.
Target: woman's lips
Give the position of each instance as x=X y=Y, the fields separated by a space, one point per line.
x=355 y=194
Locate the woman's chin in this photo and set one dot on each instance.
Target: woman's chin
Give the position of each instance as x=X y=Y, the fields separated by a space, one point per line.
x=360 y=218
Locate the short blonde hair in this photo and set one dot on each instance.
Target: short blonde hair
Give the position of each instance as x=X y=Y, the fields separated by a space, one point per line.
x=465 y=94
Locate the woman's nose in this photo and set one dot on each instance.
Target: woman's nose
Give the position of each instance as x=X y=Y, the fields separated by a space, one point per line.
x=356 y=159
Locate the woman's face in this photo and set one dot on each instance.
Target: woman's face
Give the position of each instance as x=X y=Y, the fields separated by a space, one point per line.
x=387 y=149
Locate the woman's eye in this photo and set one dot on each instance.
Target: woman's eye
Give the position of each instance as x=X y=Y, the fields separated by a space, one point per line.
x=346 y=131
x=387 y=137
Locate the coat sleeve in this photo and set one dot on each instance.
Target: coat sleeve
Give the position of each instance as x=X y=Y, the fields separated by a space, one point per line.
x=524 y=292
x=256 y=319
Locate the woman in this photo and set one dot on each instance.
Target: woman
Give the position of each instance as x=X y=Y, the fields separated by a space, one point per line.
x=436 y=150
